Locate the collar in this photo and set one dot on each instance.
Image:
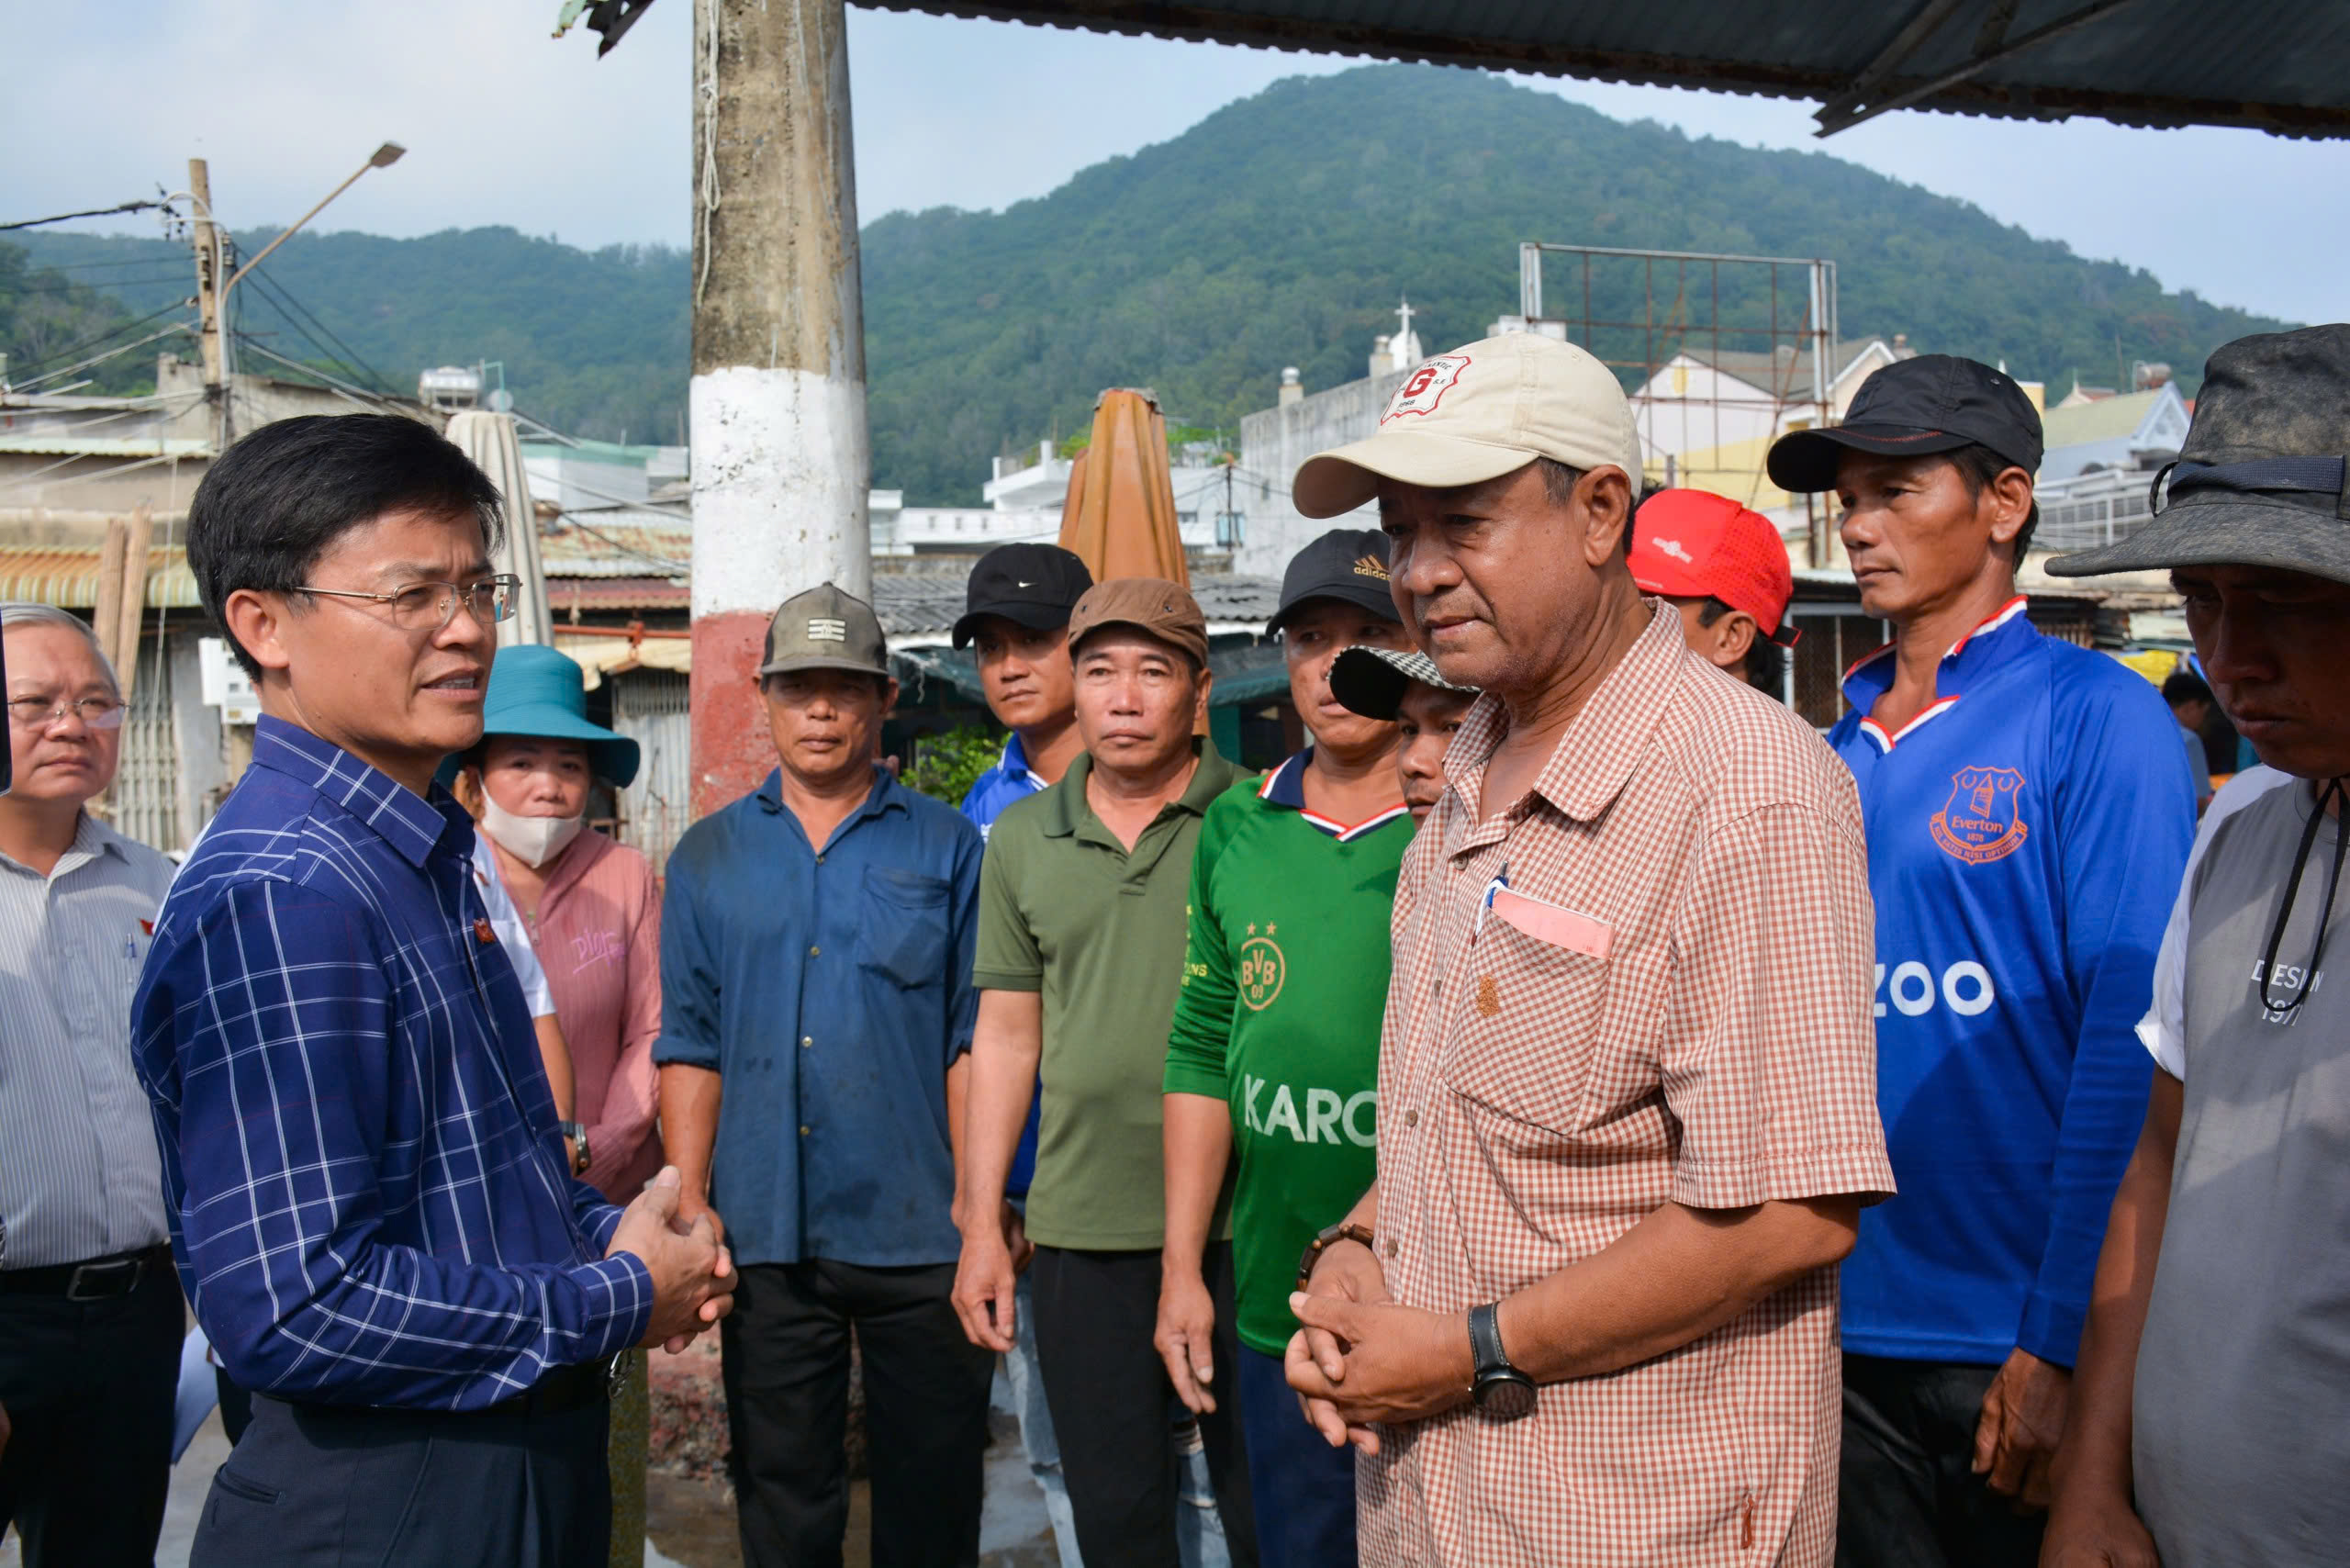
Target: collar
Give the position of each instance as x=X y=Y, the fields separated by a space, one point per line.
x=92 y=838
x=1993 y=641
x=1594 y=760
x=1014 y=764
x=412 y=823
x=1285 y=787
x=1069 y=812
x=885 y=795
x=577 y=857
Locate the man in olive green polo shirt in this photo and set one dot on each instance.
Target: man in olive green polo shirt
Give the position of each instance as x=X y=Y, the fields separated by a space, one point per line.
x=1081 y=954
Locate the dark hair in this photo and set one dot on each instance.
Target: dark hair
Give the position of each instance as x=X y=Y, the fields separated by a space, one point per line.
x=1558 y=481
x=1765 y=660
x=276 y=501
x=1978 y=466
x=2185 y=686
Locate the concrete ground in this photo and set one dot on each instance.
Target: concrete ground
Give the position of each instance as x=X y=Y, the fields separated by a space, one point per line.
x=689 y=1524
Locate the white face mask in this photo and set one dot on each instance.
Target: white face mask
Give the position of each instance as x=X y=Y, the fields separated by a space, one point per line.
x=533 y=841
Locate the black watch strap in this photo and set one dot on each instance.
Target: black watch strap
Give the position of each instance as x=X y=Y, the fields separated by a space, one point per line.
x=1485 y=1340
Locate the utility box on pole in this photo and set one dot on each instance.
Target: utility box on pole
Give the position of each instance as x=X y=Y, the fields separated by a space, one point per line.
x=780 y=455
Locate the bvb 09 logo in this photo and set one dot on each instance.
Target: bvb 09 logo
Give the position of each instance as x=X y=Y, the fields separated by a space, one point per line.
x=1263 y=968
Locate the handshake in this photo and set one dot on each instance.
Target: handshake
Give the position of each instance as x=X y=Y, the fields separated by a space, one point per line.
x=693 y=1275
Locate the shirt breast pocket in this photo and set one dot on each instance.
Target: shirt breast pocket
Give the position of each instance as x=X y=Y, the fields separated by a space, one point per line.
x=905 y=935
x=1526 y=1026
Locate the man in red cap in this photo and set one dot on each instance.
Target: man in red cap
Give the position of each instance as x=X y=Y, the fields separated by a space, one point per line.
x=1724 y=569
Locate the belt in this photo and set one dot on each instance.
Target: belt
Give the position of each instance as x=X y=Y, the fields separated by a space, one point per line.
x=562 y=1390
x=99 y=1278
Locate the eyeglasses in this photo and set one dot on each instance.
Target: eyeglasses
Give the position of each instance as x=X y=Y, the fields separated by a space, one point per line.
x=35 y=715
x=430 y=607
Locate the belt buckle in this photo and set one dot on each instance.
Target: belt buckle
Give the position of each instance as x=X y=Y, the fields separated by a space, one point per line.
x=74 y=1289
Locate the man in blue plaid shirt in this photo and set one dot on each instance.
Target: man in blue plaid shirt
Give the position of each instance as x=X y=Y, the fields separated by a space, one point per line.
x=366 y=1183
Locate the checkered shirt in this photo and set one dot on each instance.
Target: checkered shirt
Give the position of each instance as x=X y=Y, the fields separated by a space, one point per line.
x=364 y=1177
x=1535 y=1102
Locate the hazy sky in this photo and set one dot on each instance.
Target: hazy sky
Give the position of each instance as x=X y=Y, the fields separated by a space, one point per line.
x=505 y=125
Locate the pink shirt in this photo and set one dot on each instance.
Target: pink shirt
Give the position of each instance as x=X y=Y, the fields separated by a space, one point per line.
x=598 y=937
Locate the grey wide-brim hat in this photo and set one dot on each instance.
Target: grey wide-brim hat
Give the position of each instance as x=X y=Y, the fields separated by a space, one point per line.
x=1371 y=681
x=2261 y=480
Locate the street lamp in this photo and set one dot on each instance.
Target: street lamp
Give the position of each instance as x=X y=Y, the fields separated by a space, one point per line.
x=384 y=157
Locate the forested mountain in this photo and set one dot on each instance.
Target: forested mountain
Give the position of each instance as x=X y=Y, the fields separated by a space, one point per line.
x=1280 y=230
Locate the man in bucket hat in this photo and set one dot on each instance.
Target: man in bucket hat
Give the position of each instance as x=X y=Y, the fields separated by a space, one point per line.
x=2027 y=810
x=1587 y=1313
x=2206 y=1418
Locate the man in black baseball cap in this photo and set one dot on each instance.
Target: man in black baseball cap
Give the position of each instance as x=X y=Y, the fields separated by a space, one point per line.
x=2027 y=811
x=1020 y=600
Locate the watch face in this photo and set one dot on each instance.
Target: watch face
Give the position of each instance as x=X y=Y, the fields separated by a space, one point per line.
x=1504 y=1398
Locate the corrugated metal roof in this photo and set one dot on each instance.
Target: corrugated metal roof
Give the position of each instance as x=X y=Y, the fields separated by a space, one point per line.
x=616 y=544
x=2101 y=421
x=67 y=575
x=2271 y=64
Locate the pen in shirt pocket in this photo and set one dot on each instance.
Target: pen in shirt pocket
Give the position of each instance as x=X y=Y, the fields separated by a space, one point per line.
x=1485 y=900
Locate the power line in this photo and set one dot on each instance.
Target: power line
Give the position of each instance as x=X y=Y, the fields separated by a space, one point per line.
x=282 y=296
x=94 y=212
x=101 y=337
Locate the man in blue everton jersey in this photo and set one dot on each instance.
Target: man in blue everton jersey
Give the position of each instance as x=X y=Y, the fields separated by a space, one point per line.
x=2028 y=812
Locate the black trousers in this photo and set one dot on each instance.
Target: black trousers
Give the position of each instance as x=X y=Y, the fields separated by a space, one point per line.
x=1908 y=1497
x=88 y=1389
x=1108 y=1393
x=310 y=1486
x=787 y=1362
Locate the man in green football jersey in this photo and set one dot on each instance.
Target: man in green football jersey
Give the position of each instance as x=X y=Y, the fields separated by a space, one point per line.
x=1274 y=1049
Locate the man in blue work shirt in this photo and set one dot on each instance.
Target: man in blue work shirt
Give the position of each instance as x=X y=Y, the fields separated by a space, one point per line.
x=1017 y=608
x=366 y=1182
x=2028 y=814
x=815 y=1024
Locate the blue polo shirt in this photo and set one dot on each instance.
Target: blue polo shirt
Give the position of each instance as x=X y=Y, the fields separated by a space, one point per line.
x=2026 y=833
x=831 y=989
x=1009 y=780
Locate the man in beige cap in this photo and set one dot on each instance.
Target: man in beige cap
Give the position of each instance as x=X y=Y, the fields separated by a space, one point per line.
x=1081 y=954
x=1587 y=1313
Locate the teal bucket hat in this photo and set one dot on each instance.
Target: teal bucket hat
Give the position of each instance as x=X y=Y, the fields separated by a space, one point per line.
x=537 y=692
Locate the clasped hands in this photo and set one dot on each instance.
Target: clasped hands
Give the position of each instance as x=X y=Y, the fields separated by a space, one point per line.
x=693 y=1273
x=1361 y=1359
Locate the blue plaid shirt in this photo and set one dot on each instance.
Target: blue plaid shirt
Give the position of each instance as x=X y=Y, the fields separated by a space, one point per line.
x=367 y=1188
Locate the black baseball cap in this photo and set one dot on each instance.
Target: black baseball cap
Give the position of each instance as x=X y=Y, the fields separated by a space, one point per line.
x=1034 y=585
x=1913 y=407
x=1346 y=563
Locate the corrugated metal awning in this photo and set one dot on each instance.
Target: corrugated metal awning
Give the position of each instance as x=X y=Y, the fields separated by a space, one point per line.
x=2270 y=65
x=67 y=575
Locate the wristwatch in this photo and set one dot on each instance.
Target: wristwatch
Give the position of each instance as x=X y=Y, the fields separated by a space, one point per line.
x=1502 y=1392
x=1330 y=1237
x=578 y=1133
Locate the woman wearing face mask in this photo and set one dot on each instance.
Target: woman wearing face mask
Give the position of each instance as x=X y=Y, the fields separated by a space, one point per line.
x=593 y=910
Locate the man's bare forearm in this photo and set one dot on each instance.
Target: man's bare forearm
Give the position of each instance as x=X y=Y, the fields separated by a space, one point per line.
x=1677 y=1275
x=690 y=1100
x=2096 y=1451
x=1197 y=1146
x=1006 y=1045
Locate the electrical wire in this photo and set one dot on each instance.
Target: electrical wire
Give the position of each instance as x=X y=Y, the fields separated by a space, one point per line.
x=94 y=212
x=96 y=339
x=101 y=359
x=282 y=296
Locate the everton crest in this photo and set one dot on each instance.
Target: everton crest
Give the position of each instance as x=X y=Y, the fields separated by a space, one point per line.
x=1983 y=819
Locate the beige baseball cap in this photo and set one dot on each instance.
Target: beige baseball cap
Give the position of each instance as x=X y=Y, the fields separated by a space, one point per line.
x=1476 y=414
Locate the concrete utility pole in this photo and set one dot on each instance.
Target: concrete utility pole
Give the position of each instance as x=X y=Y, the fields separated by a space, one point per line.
x=778 y=447
x=207 y=289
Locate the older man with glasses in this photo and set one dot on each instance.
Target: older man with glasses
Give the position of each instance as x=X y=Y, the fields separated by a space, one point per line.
x=89 y=1307
x=362 y=1162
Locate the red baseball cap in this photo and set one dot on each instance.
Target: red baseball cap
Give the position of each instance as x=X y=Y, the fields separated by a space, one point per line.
x=1693 y=544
